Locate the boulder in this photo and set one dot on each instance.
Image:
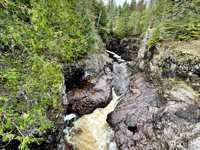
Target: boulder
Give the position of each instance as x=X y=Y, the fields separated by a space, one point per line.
x=85 y=101
x=135 y=111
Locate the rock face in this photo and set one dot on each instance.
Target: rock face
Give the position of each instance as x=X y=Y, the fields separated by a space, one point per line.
x=144 y=120
x=88 y=83
x=161 y=108
x=133 y=112
x=185 y=69
x=126 y=48
x=87 y=71
x=121 y=76
x=86 y=86
x=85 y=101
x=145 y=51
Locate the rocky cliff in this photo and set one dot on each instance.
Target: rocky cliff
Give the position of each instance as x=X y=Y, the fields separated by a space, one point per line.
x=86 y=86
x=127 y=48
x=161 y=107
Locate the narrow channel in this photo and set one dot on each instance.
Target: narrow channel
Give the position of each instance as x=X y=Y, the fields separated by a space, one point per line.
x=92 y=132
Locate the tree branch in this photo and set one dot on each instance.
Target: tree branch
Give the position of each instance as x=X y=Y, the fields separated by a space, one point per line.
x=17 y=129
x=4 y=6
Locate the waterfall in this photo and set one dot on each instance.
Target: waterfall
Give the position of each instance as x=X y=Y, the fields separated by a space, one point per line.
x=92 y=132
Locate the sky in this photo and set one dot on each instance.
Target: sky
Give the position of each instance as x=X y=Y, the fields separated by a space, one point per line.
x=120 y=2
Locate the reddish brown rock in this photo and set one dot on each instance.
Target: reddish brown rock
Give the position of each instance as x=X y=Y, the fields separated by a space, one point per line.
x=131 y=116
x=85 y=101
x=143 y=121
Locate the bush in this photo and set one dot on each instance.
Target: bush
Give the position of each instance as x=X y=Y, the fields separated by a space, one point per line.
x=36 y=36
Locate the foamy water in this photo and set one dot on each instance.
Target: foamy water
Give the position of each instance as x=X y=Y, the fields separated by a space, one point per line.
x=92 y=132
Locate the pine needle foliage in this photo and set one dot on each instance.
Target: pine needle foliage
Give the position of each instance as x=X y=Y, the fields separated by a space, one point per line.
x=178 y=20
x=36 y=37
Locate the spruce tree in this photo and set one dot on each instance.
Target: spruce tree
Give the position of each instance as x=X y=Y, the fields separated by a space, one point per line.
x=132 y=6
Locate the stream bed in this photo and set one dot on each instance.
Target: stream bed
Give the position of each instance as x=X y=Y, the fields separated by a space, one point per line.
x=92 y=132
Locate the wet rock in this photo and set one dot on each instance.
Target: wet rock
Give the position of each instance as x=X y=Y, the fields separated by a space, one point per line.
x=132 y=112
x=142 y=65
x=121 y=76
x=113 y=44
x=85 y=101
x=68 y=146
x=127 y=48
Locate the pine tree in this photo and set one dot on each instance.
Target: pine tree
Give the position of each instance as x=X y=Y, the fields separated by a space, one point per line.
x=101 y=18
x=119 y=31
x=133 y=22
x=132 y=6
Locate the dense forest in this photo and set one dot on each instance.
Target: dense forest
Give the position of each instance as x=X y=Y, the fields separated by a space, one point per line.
x=170 y=20
x=38 y=37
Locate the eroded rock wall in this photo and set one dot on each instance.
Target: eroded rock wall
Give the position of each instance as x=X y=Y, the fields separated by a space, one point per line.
x=161 y=108
x=86 y=86
x=147 y=119
x=127 y=48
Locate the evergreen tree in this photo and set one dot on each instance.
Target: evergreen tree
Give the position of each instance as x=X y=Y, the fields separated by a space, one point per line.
x=175 y=20
x=111 y=10
x=102 y=20
x=133 y=22
x=119 y=31
x=132 y=6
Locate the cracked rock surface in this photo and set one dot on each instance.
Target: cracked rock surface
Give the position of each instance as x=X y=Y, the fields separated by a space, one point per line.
x=143 y=120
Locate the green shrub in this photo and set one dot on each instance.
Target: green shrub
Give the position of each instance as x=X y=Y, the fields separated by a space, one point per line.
x=39 y=36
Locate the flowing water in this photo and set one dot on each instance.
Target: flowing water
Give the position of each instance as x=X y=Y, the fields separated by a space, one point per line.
x=121 y=73
x=92 y=132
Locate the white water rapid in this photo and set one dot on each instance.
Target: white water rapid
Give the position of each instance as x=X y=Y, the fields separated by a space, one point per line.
x=92 y=132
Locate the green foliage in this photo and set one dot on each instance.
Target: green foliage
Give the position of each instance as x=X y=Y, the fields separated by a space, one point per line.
x=101 y=18
x=180 y=28
x=119 y=30
x=129 y=15
x=37 y=37
x=133 y=22
x=155 y=36
x=174 y=20
x=179 y=19
x=144 y=21
x=110 y=27
x=132 y=6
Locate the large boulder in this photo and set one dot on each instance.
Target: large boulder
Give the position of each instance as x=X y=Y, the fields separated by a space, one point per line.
x=87 y=71
x=133 y=112
x=85 y=101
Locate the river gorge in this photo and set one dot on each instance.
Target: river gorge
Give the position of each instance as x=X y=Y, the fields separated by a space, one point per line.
x=92 y=131
x=128 y=97
x=158 y=110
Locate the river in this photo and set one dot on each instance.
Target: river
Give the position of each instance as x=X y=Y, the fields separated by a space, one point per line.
x=92 y=132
